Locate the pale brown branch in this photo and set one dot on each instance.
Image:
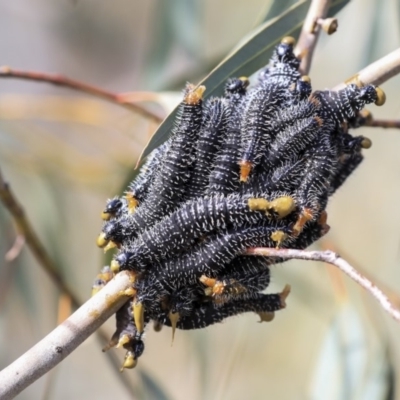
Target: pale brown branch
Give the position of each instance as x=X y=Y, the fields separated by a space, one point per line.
x=32 y=240
x=384 y=123
x=34 y=244
x=314 y=22
x=64 y=339
x=334 y=259
x=376 y=73
x=394 y=297
x=368 y=120
x=60 y=80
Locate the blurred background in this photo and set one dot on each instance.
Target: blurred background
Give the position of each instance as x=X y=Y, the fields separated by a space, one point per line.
x=65 y=153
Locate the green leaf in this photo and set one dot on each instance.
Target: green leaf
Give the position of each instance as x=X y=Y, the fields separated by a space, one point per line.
x=252 y=53
x=277 y=7
x=176 y=22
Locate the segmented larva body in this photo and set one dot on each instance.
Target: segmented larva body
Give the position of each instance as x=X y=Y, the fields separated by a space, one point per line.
x=242 y=278
x=139 y=187
x=256 y=123
x=125 y=327
x=344 y=104
x=125 y=323
x=127 y=336
x=345 y=168
x=168 y=187
x=212 y=134
x=351 y=145
x=292 y=141
x=251 y=169
x=263 y=129
x=289 y=115
x=300 y=91
x=224 y=176
x=278 y=88
x=212 y=256
x=350 y=157
x=312 y=193
x=211 y=313
x=252 y=272
x=282 y=69
x=333 y=108
x=193 y=220
x=183 y=300
x=114 y=208
x=285 y=178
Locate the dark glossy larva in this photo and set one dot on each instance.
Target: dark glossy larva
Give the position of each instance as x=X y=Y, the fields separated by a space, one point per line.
x=195 y=219
x=212 y=134
x=140 y=186
x=224 y=174
x=253 y=168
x=210 y=313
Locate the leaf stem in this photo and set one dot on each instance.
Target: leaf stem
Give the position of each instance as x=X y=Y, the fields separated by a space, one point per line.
x=60 y=80
x=334 y=259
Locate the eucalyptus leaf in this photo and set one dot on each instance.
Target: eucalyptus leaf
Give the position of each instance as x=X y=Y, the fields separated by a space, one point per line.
x=177 y=22
x=251 y=54
x=277 y=7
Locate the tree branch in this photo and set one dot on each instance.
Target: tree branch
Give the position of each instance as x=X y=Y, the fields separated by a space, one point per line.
x=64 y=339
x=376 y=73
x=384 y=123
x=334 y=259
x=25 y=229
x=59 y=80
x=314 y=22
x=80 y=325
x=369 y=121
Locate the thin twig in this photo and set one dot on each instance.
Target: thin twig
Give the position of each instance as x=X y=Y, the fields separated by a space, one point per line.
x=394 y=296
x=25 y=229
x=309 y=34
x=64 y=339
x=34 y=244
x=60 y=80
x=383 y=123
x=334 y=259
x=376 y=73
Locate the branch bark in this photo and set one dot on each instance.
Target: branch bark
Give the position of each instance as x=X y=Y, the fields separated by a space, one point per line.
x=60 y=80
x=384 y=123
x=376 y=73
x=25 y=229
x=310 y=31
x=58 y=344
x=334 y=259
x=80 y=325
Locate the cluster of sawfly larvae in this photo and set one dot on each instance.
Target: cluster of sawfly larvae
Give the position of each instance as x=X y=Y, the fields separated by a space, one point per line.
x=254 y=168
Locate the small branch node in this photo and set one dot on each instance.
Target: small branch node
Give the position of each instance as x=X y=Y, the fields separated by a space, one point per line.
x=328 y=25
